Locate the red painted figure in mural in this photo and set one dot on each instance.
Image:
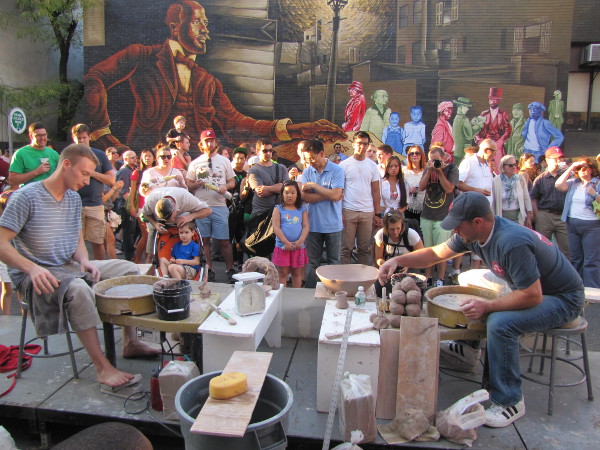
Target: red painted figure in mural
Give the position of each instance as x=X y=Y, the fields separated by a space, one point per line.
x=496 y=126
x=166 y=82
x=442 y=131
x=356 y=107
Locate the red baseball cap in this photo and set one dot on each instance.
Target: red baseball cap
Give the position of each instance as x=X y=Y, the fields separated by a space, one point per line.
x=554 y=152
x=208 y=134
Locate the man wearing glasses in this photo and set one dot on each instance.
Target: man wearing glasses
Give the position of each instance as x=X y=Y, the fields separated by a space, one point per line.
x=548 y=202
x=35 y=161
x=208 y=178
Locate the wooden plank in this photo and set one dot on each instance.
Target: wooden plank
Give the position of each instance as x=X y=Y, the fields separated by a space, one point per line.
x=231 y=417
x=388 y=373
x=418 y=365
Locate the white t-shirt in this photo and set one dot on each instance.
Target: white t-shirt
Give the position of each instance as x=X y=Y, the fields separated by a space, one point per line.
x=216 y=173
x=358 y=178
x=578 y=209
x=475 y=174
x=397 y=248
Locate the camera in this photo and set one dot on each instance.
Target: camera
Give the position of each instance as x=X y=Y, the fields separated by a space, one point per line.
x=437 y=163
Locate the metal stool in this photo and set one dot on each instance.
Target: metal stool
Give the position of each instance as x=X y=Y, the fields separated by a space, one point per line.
x=576 y=327
x=46 y=352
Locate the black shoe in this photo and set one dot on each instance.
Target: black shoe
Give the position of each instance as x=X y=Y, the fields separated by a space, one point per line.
x=429 y=282
x=230 y=273
x=211 y=275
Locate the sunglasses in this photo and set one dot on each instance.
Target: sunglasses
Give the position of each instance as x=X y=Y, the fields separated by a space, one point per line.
x=165 y=156
x=583 y=168
x=414 y=154
x=510 y=165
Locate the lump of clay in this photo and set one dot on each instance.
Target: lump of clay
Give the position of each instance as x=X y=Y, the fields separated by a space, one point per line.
x=413 y=297
x=381 y=322
x=396 y=308
x=408 y=284
x=264 y=266
x=395 y=321
x=398 y=297
x=413 y=310
x=396 y=287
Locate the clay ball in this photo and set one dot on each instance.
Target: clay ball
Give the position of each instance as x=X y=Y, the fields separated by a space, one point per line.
x=380 y=323
x=396 y=308
x=398 y=297
x=413 y=310
x=396 y=287
x=395 y=321
x=408 y=284
x=413 y=297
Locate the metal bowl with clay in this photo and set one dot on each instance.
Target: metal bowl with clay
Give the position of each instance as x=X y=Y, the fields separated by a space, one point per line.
x=443 y=303
x=347 y=277
x=132 y=294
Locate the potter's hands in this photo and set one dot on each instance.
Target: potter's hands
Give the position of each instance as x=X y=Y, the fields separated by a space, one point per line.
x=473 y=309
x=87 y=266
x=386 y=271
x=42 y=279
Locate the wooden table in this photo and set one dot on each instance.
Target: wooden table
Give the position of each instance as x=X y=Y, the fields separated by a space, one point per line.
x=199 y=311
x=220 y=339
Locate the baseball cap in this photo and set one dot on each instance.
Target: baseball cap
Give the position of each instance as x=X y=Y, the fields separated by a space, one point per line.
x=164 y=208
x=208 y=134
x=467 y=206
x=554 y=152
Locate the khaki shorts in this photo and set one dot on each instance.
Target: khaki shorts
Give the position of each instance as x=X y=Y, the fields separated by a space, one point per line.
x=93 y=223
x=190 y=272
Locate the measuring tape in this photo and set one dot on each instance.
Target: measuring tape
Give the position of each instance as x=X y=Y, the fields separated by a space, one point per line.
x=338 y=378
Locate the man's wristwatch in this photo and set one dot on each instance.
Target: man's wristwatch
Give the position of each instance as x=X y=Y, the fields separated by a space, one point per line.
x=379 y=214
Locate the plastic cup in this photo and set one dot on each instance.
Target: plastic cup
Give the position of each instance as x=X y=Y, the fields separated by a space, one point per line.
x=44 y=160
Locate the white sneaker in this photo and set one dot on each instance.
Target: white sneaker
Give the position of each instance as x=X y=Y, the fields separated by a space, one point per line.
x=457 y=356
x=439 y=283
x=498 y=416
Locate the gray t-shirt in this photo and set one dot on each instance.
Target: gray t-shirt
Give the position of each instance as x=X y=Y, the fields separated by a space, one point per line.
x=437 y=201
x=265 y=176
x=47 y=230
x=91 y=195
x=521 y=256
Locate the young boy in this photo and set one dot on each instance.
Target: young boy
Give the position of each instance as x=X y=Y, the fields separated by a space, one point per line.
x=174 y=134
x=185 y=256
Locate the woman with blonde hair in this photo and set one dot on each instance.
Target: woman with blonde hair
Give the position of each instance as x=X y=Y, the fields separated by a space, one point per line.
x=510 y=196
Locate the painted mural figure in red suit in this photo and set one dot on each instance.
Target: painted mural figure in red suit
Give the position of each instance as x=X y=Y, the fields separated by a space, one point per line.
x=356 y=107
x=442 y=131
x=166 y=81
x=496 y=126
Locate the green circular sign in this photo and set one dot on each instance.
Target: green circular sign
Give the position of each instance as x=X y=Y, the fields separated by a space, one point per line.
x=17 y=120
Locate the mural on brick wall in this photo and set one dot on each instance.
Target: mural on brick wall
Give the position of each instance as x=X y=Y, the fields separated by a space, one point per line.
x=411 y=72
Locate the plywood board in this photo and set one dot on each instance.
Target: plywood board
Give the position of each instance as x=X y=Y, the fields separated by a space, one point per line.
x=388 y=374
x=231 y=417
x=418 y=365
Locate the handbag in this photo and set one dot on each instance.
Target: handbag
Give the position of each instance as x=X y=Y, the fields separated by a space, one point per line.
x=262 y=241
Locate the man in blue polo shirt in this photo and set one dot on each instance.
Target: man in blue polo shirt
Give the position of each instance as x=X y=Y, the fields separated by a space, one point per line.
x=545 y=291
x=322 y=189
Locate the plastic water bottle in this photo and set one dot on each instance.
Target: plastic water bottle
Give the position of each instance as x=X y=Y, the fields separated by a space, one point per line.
x=360 y=298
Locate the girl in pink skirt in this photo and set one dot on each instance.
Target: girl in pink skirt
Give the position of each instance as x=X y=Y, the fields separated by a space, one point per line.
x=290 y=223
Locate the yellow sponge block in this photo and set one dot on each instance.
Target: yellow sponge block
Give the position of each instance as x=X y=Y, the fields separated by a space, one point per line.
x=228 y=385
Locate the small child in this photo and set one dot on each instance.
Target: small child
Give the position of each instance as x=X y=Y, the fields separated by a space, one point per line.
x=185 y=256
x=290 y=223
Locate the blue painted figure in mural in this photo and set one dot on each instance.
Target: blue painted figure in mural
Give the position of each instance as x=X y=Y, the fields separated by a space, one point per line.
x=356 y=107
x=414 y=131
x=556 y=108
x=514 y=145
x=393 y=135
x=377 y=116
x=539 y=134
x=166 y=81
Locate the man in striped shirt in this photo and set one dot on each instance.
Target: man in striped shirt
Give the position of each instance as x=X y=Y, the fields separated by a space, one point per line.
x=47 y=258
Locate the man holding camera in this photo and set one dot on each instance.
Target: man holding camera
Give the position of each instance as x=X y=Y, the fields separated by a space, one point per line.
x=439 y=181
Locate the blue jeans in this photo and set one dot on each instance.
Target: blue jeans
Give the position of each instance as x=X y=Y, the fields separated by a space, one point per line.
x=584 y=245
x=503 y=331
x=314 y=248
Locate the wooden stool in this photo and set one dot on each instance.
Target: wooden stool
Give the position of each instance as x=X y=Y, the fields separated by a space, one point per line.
x=46 y=353
x=576 y=327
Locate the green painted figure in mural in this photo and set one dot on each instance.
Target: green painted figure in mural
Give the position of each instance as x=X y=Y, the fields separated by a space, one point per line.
x=515 y=143
x=556 y=109
x=377 y=116
x=462 y=129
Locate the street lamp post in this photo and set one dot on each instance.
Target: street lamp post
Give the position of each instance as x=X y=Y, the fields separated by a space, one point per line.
x=336 y=6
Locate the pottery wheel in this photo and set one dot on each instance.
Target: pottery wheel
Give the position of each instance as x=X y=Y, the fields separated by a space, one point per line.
x=453 y=301
x=129 y=291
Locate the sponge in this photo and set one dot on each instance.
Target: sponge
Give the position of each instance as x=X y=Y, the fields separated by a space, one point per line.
x=228 y=385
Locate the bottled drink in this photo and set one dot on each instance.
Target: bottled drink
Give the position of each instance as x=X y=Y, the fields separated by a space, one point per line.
x=360 y=297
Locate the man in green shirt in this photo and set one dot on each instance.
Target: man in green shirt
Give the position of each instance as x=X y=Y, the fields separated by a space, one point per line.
x=35 y=161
